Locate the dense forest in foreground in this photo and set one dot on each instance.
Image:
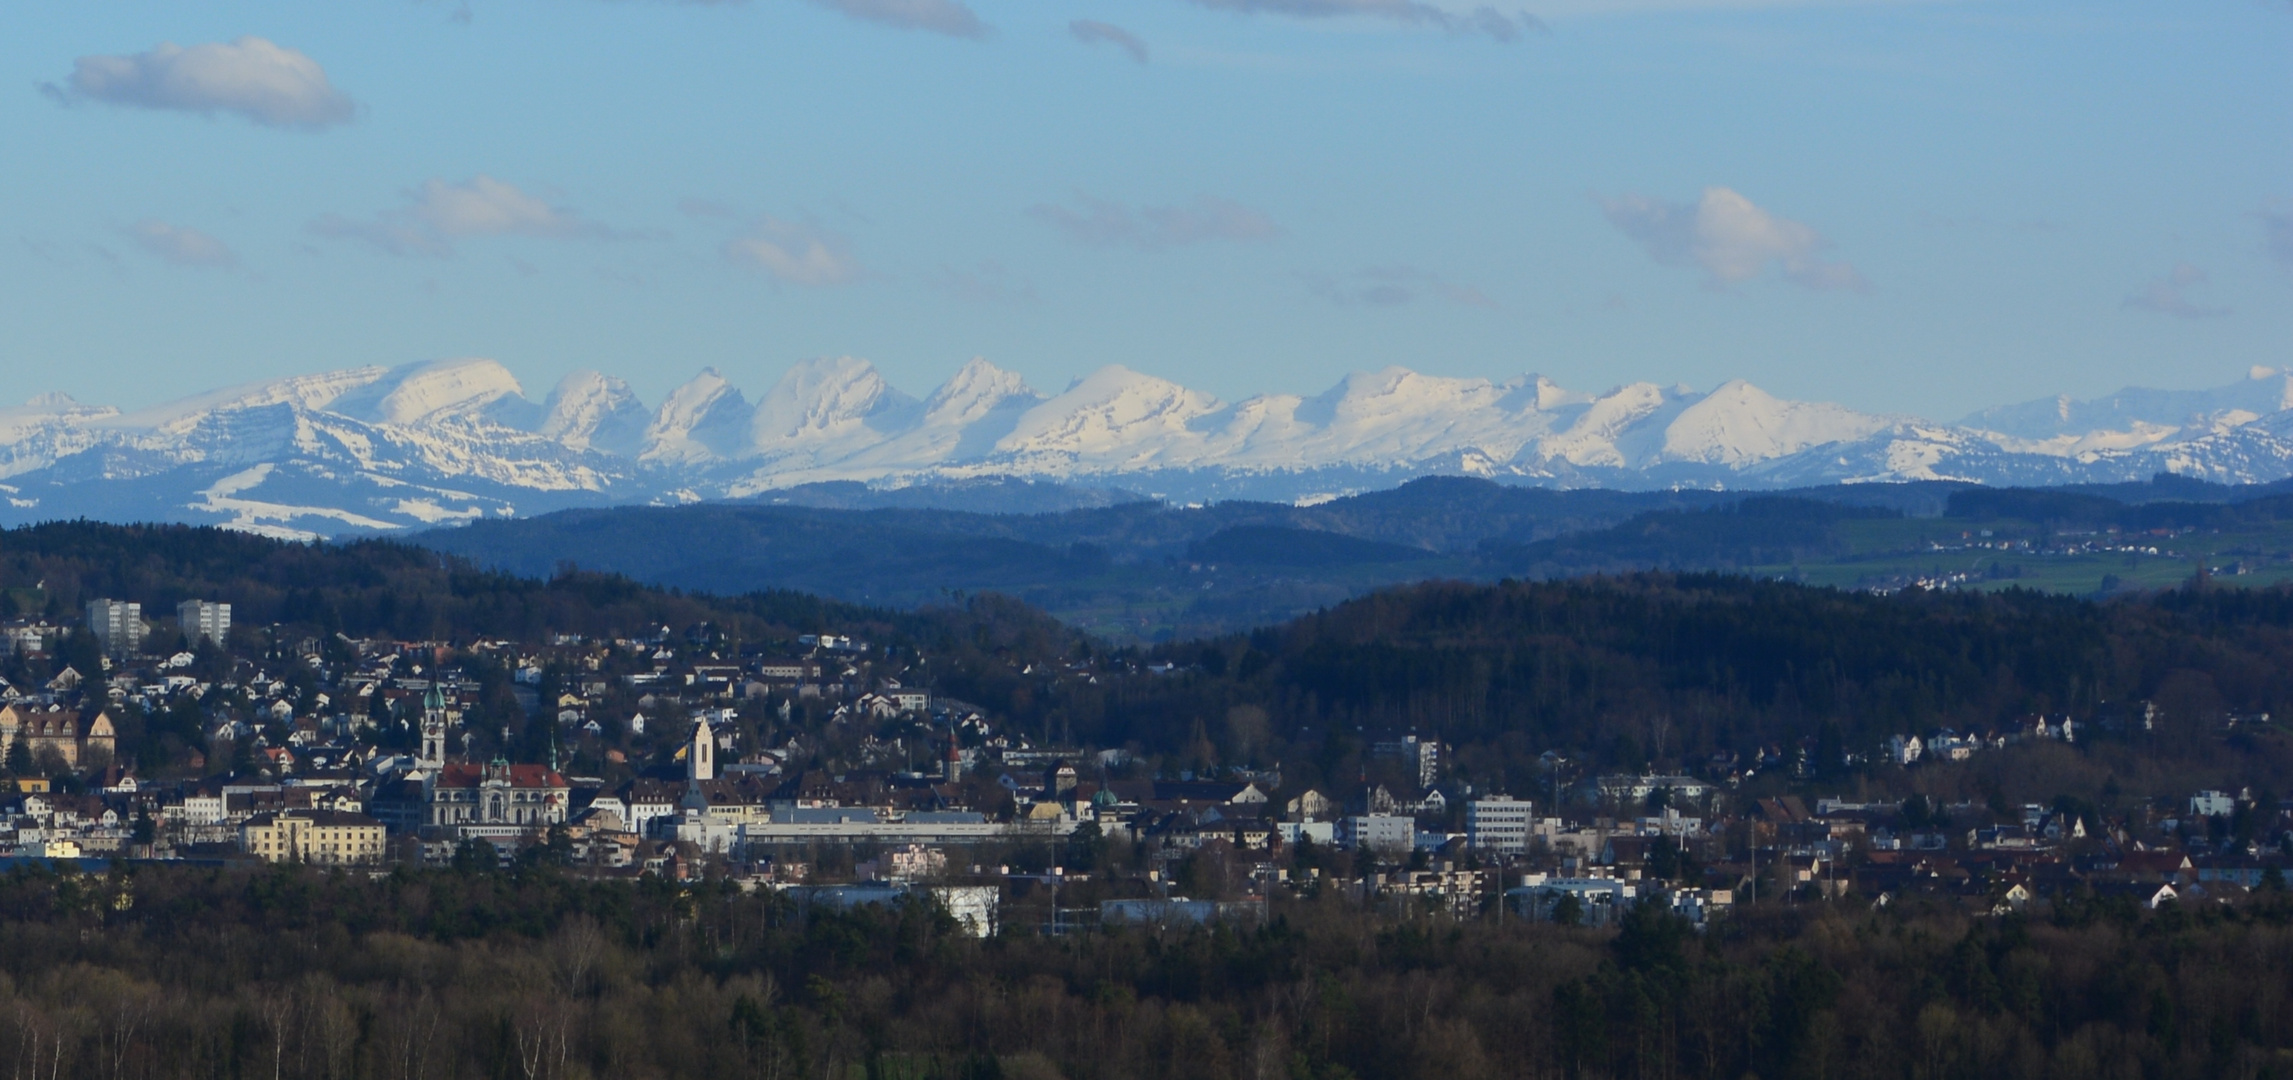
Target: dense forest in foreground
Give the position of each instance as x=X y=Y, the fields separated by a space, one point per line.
x=292 y=974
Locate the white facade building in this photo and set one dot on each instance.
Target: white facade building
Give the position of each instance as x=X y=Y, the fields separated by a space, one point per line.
x=117 y=625
x=1377 y=832
x=1498 y=825
x=204 y=619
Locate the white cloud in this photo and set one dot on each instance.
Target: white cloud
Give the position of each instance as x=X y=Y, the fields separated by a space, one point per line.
x=266 y=83
x=181 y=245
x=1480 y=20
x=1731 y=239
x=2169 y=295
x=796 y=253
x=1092 y=32
x=1394 y=286
x=950 y=17
x=439 y=213
x=1099 y=223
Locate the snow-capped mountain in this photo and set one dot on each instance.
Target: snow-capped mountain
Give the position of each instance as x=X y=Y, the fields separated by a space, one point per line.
x=380 y=449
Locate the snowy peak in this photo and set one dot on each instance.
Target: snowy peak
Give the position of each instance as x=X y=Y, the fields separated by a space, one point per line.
x=825 y=400
x=977 y=389
x=1604 y=433
x=378 y=449
x=589 y=410
x=1111 y=417
x=2194 y=412
x=441 y=388
x=1740 y=423
x=704 y=420
x=303 y=392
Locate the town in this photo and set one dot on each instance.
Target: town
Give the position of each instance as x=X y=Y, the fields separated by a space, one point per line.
x=825 y=765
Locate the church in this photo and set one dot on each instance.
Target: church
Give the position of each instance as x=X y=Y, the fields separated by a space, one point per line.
x=460 y=800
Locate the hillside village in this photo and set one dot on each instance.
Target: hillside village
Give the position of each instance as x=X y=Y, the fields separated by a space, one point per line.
x=824 y=763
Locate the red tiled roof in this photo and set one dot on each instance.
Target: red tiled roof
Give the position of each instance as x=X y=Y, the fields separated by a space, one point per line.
x=462 y=775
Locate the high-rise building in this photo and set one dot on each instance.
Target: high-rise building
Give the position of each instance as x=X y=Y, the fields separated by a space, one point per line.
x=118 y=627
x=1498 y=825
x=204 y=619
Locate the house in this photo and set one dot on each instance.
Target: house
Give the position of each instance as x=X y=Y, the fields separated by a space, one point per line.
x=68 y=734
x=322 y=837
x=1310 y=806
x=1905 y=749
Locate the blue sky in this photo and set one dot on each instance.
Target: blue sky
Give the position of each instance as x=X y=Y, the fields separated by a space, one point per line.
x=1925 y=207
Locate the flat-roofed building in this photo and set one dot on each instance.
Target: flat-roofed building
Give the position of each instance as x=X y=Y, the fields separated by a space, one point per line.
x=204 y=619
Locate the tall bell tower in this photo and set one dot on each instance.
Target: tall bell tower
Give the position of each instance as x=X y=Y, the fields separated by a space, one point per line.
x=434 y=723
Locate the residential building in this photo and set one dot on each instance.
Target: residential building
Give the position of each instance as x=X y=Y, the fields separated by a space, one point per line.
x=1421 y=755
x=1498 y=825
x=2207 y=804
x=321 y=837
x=69 y=735
x=1636 y=789
x=204 y=620
x=1388 y=833
x=117 y=625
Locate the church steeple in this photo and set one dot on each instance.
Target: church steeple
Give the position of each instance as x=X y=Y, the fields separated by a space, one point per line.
x=434 y=723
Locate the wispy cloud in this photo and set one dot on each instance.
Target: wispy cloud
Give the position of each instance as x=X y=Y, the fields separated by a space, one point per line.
x=1480 y=20
x=1730 y=239
x=1393 y=286
x=1093 y=32
x=2169 y=295
x=439 y=213
x=1099 y=223
x=795 y=253
x=181 y=245
x=950 y=17
x=266 y=83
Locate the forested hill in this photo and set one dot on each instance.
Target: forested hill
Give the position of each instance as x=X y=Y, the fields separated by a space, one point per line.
x=1655 y=670
x=1143 y=571
x=1668 y=670
x=388 y=589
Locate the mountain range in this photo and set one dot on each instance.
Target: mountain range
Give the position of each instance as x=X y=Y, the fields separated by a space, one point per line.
x=373 y=450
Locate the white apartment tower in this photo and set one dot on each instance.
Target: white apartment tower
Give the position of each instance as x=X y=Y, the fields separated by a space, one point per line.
x=204 y=619
x=117 y=625
x=1498 y=825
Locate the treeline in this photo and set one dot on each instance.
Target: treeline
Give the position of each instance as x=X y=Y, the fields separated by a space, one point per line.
x=1658 y=669
x=2074 y=509
x=1760 y=531
x=386 y=589
x=292 y=974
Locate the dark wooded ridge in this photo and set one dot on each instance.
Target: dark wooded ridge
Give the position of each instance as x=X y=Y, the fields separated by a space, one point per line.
x=526 y=974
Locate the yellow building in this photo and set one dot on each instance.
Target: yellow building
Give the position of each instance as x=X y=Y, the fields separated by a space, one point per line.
x=320 y=837
x=69 y=733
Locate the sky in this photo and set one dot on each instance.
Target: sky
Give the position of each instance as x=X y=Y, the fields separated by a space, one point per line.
x=1920 y=206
